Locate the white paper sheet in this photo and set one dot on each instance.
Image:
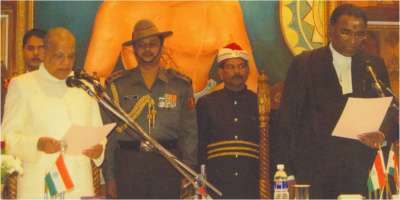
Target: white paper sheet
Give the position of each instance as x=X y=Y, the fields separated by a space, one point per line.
x=79 y=138
x=361 y=115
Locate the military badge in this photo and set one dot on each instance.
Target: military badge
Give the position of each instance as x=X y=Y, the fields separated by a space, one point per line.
x=167 y=100
x=192 y=103
x=161 y=101
x=173 y=100
x=235 y=53
x=131 y=97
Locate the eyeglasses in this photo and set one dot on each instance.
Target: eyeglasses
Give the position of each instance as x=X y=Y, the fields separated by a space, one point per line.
x=347 y=34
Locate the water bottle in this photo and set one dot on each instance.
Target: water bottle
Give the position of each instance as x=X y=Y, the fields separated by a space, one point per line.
x=281 y=186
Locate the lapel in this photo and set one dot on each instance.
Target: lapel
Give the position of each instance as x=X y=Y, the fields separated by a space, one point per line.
x=358 y=73
x=326 y=81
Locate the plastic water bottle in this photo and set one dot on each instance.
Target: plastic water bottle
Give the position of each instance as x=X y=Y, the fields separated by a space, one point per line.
x=281 y=186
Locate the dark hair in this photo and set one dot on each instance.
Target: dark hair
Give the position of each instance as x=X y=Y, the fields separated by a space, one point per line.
x=348 y=9
x=33 y=32
x=222 y=64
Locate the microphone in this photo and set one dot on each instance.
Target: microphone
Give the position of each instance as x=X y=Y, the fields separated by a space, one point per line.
x=81 y=74
x=73 y=82
x=376 y=83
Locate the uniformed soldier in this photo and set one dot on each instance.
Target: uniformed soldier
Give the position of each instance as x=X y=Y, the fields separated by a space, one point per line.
x=228 y=130
x=161 y=101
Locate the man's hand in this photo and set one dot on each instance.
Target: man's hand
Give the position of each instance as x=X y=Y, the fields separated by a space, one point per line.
x=94 y=152
x=291 y=188
x=111 y=189
x=48 y=145
x=373 y=140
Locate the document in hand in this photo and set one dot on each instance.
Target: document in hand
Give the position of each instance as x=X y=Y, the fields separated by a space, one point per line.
x=361 y=115
x=79 y=138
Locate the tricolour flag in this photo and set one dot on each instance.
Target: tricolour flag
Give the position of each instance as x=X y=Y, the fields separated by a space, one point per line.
x=392 y=166
x=376 y=178
x=58 y=179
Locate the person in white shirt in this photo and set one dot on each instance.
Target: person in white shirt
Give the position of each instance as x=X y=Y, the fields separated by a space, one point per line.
x=39 y=109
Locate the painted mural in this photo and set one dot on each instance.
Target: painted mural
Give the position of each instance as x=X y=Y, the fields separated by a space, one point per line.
x=200 y=29
x=302 y=24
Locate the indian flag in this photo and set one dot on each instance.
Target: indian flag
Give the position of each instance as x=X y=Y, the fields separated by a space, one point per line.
x=377 y=175
x=392 y=167
x=58 y=179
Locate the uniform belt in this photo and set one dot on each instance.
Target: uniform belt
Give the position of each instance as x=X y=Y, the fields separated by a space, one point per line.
x=140 y=146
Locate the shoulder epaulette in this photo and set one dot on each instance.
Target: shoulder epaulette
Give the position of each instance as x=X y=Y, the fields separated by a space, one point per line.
x=114 y=76
x=178 y=74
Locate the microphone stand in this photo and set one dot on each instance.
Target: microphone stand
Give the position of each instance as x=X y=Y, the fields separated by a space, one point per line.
x=121 y=114
x=395 y=104
x=378 y=84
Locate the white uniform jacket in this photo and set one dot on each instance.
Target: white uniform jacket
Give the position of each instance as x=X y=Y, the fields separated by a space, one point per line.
x=37 y=105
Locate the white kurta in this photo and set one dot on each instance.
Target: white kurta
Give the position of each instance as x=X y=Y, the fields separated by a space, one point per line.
x=37 y=105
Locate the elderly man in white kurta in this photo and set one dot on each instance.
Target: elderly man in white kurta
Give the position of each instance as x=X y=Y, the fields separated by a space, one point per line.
x=39 y=109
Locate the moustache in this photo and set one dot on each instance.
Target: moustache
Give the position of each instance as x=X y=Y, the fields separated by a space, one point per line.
x=147 y=54
x=36 y=59
x=237 y=76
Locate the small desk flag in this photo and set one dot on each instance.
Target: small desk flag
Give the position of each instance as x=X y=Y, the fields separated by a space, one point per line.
x=58 y=179
x=392 y=167
x=376 y=178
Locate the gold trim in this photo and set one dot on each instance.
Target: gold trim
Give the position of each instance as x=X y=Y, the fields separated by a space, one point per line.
x=30 y=14
x=232 y=142
x=232 y=154
x=24 y=23
x=233 y=148
x=137 y=109
x=115 y=93
x=140 y=105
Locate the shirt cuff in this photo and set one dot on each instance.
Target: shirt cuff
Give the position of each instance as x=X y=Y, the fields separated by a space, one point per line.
x=290 y=178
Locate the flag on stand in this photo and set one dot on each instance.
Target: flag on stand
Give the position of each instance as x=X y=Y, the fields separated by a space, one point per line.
x=58 y=179
x=392 y=166
x=376 y=177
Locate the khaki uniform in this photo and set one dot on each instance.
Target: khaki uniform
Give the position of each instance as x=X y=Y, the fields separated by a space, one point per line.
x=166 y=112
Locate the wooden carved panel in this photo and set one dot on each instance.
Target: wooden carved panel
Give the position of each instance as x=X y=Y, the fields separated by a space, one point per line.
x=16 y=19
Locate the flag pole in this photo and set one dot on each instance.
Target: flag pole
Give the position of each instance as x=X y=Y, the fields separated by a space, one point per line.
x=388 y=191
x=46 y=189
x=369 y=193
x=381 y=190
x=63 y=145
